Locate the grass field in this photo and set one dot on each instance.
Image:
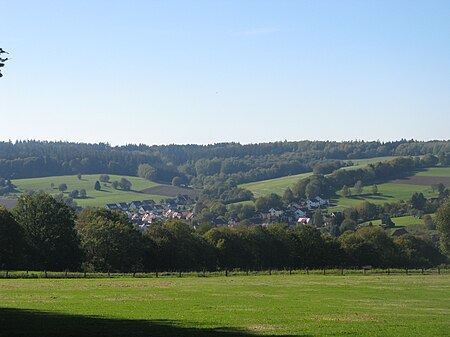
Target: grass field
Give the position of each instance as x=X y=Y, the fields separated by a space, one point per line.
x=277 y=305
x=388 y=192
x=95 y=198
x=399 y=189
x=277 y=185
x=410 y=223
x=360 y=163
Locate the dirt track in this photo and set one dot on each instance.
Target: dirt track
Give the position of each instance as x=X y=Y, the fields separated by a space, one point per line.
x=424 y=181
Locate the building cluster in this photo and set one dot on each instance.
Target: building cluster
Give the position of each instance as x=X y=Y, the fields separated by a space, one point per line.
x=144 y=213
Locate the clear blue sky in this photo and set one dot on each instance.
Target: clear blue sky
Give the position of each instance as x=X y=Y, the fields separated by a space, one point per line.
x=159 y=72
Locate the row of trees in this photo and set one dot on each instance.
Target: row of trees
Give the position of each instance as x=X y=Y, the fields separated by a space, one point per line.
x=195 y=163
x=43 y=233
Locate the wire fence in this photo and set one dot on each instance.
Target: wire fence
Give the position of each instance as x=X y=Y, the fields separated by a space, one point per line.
x=20 y=274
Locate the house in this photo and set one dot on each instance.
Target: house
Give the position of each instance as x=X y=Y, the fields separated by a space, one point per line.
x=304 y=221
x=123 y=206
x=275 y=212
x=145 y=209
x=134 y=205
x=316 y=202
x=112 y=207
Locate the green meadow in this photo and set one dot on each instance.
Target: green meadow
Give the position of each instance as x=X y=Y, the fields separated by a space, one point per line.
x=277 y=185
x=435 y=172
x=412 y=224
x=359 y=163
x=106 y=195
x=277 y=305
x=387 y=192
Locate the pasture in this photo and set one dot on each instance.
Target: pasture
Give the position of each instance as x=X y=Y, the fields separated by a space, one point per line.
x=277 y=305
x=106 y=195
x=412 y=224
x=277 y=185
x=398 y=189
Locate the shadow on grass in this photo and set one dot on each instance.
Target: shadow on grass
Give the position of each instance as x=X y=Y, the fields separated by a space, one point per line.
x=20 y=322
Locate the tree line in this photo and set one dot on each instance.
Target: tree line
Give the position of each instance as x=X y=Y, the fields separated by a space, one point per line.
x=195 y=163
x=42 y=233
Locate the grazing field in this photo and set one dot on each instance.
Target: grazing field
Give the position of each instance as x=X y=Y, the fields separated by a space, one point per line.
x=399 y=189
x=388 y=192
x=277 y=305
x=360 y=163
x=277 y=185
x=412 y=224
x=106 y=195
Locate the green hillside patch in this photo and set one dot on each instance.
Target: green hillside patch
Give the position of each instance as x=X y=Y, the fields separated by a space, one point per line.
x=387 y=192
x=277 y=305
x=106 y=195
x=277 y=185
x=360 y=163
x=412 y=224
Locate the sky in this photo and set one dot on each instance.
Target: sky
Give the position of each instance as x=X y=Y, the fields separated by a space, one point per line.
x=184 y=72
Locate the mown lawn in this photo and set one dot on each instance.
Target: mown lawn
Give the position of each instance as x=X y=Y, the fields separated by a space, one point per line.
x=282 y=305
x=107 y=194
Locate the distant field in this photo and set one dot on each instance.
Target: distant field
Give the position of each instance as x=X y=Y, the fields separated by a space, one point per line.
x=411 y=224
x=95 y=198
x=277 y=185
x=388 y=192
x=359 y=163
x=277 y=305
x=399 y=189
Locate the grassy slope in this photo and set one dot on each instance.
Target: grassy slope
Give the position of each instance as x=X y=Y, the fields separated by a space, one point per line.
x=359 y=163
x=435 y=172
x=296 y=305
x=95 y=198
x=277 y=185
x=411 y=224
x=389 y=192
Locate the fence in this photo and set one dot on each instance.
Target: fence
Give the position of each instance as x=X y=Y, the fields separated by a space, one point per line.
x=9 y=274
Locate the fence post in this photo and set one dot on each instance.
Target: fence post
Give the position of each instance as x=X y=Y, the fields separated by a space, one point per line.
x=342 y=271
x=324 y=271
x=226 y=272
x=439 y=271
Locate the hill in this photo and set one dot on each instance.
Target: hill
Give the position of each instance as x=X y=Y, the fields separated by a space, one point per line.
x=279 y=185
x=141 y=189
x=399 y=189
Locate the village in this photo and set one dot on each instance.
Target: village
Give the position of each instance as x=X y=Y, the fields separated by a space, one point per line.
x=147 y=212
